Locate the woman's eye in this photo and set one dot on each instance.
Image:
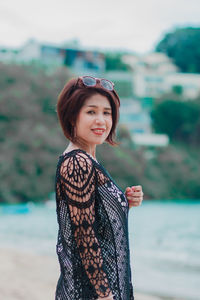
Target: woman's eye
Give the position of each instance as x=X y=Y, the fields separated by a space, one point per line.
x=91 y=112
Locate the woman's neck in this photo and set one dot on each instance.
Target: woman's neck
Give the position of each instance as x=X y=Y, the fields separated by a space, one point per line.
x=89 y=149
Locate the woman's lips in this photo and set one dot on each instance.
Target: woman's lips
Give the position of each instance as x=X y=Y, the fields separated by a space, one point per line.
x=98 y=131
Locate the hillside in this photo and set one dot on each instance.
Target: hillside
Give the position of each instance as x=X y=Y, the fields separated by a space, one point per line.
x=31 y=141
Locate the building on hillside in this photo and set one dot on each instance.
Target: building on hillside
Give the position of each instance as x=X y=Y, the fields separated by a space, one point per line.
x=155 y=74
x=81 y=60
x=151 y=139
x=188 y=84
x=149 y=73
x=138 y=122
x=8 y=54
x=144 y=82
x=136 y=119
x=131 y=113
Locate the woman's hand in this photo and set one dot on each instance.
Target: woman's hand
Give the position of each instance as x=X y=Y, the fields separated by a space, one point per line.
x=134 y=195
x=110 y=297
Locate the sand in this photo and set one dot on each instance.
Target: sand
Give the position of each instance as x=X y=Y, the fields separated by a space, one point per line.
x=27 y=276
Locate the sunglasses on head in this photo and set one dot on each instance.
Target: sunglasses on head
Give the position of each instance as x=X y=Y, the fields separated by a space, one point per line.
x=90 y=81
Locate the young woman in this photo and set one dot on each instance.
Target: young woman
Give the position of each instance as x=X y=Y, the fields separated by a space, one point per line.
x=92 y=211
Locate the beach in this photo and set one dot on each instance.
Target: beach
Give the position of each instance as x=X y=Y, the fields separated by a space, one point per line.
x=34 y=277
x=165 y=260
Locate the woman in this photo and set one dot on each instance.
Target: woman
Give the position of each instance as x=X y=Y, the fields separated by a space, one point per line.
x=92 y=211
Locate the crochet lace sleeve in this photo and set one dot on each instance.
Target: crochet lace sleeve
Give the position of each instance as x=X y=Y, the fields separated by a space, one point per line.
x=78 y=176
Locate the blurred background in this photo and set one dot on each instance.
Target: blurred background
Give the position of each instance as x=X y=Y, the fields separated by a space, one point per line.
x=151 y=51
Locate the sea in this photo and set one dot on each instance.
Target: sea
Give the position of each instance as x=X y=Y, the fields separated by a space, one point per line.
x=164 y=242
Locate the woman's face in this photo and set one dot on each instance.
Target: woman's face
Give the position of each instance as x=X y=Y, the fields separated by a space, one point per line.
x=94 y=120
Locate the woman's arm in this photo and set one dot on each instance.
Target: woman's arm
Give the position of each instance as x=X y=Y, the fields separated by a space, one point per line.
x=78 y=178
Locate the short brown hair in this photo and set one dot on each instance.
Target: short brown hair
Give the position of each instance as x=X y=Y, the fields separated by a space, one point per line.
x=71 y=100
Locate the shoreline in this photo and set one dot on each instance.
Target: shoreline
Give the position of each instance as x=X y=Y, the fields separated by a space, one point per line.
x=36 y=275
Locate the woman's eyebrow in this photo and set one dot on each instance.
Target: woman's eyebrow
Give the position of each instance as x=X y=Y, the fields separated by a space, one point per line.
x=108 y=108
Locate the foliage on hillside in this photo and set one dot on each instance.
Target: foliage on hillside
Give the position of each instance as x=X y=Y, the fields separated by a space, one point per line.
x=31 y=141
x=183 y=46
x=164 y=173
x=29 y=134
x=180 y=120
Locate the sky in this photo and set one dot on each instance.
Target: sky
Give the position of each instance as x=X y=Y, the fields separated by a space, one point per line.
x=135 y=25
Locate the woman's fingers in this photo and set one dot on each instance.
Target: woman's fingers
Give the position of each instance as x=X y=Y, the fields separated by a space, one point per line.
x=134 y=195
x=139 y=199
x=137 y=187
x=134 y=203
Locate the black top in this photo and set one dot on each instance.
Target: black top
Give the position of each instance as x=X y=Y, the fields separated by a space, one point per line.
x=93 y=245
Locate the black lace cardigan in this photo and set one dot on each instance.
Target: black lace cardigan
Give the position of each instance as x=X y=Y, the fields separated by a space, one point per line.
x=93 y=245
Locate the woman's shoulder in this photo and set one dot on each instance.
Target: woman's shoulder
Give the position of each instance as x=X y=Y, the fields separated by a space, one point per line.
x=76 y=160
x=76 y=167
x=77 y=155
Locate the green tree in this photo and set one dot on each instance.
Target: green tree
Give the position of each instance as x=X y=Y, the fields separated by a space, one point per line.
x=114 y=62
x=183 y=46
x=179 y=120
x=177 y=89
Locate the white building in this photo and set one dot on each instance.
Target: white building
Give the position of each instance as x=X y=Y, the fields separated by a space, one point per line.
x=77 y=59
x=190 y=84
x=8 y=54
x=155 y=74
x=151 y=139
x=31 y=51
x=132 y=115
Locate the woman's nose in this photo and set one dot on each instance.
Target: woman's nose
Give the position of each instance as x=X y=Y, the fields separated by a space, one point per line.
x=100 y=119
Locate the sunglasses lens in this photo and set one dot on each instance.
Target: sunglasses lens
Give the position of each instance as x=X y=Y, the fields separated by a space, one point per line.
x=107 y=84
x=89 y=81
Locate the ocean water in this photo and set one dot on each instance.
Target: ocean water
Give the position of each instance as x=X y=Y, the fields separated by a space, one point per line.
x=164 y=242
x=165 y=248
